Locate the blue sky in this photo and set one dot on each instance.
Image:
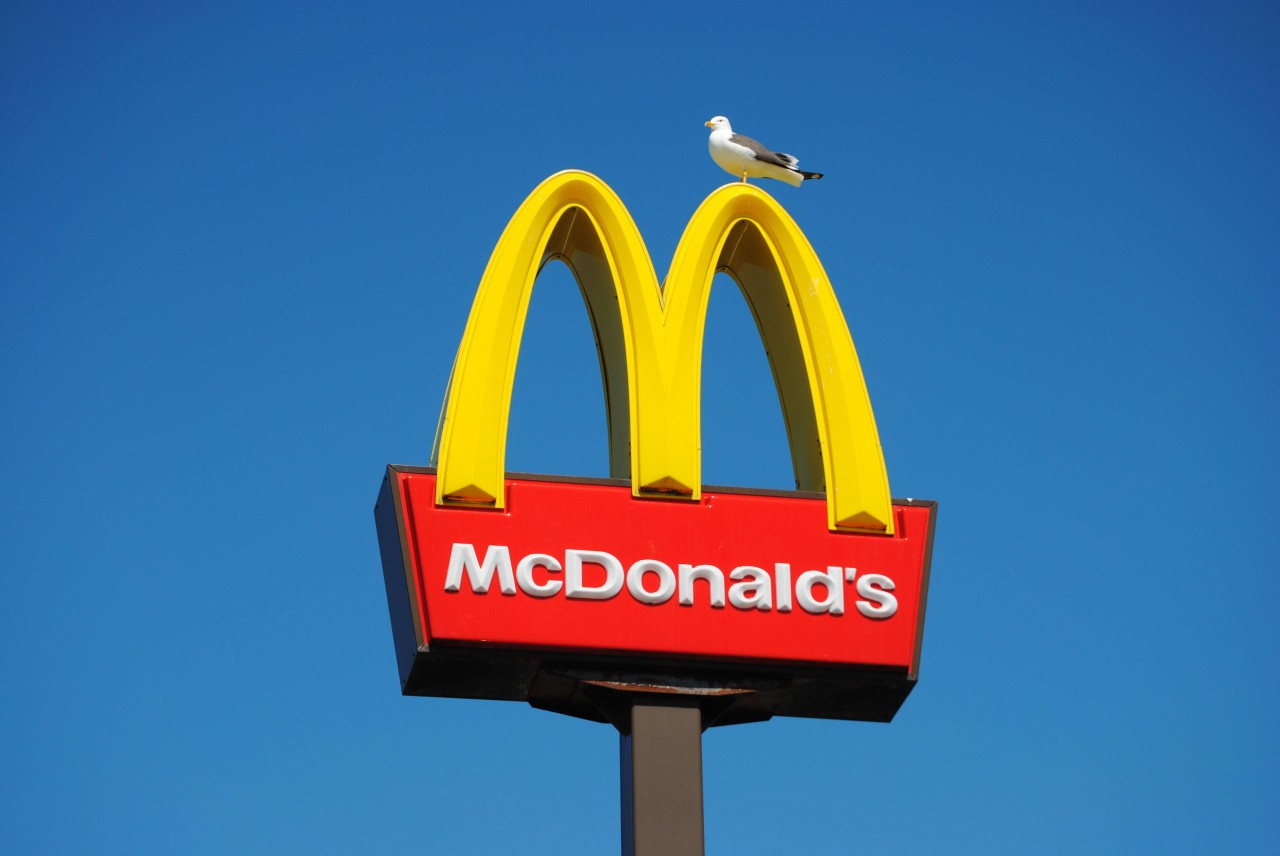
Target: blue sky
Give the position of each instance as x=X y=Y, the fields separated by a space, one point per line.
x=239 y=246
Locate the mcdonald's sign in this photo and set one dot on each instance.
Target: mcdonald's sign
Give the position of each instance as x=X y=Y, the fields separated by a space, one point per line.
x=546 y=589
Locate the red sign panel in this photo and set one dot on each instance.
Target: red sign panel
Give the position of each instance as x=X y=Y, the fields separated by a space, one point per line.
x=571 y=567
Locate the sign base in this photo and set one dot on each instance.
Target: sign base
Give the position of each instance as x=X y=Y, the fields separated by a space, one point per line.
x=516 y=613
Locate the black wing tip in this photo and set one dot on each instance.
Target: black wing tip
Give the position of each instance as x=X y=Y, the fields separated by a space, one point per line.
x=811 y=175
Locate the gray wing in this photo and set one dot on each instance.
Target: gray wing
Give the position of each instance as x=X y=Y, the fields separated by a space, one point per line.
x=763 y=154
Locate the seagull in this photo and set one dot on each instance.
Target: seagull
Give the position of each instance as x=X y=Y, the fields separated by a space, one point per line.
x=743 y=156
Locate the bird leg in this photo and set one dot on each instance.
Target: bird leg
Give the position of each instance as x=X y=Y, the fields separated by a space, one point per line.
x=744 y=176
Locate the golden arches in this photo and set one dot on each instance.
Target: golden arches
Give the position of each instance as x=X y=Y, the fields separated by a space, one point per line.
x=650 y=342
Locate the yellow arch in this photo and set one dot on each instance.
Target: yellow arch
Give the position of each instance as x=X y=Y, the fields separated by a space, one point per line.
x=650 y=343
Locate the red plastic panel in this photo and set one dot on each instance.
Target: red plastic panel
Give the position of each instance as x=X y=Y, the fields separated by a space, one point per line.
x=734 y=576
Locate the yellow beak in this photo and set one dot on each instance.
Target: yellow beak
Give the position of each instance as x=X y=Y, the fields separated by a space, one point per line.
x=708 y=124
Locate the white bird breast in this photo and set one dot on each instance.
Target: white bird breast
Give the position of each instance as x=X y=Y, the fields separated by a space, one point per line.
x=730 y=156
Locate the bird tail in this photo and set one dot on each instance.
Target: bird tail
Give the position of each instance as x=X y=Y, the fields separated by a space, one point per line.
x=793 y=164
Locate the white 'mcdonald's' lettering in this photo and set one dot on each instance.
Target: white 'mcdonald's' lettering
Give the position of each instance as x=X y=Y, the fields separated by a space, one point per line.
x=597 y=575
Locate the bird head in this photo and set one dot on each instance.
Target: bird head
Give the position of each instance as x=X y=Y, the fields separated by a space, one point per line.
x=718 y=122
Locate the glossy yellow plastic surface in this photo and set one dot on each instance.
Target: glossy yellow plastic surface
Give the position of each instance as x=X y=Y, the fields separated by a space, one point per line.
x=650 y=344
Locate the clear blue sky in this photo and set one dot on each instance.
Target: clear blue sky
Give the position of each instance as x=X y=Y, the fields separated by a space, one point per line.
x=239 y=245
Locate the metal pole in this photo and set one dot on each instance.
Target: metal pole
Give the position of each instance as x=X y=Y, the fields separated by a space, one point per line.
x=661 y=762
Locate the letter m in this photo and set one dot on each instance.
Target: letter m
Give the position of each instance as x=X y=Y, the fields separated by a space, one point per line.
x=650 y=345
x=463 y=558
